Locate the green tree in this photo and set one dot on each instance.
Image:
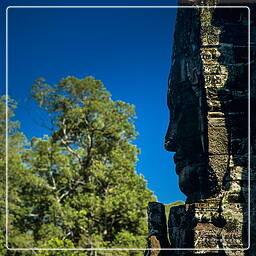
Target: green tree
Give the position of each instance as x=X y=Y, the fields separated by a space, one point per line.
x=17 y=235
x=82 y=189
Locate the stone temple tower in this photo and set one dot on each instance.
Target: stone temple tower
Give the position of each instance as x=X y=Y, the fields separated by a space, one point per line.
x=212 y=130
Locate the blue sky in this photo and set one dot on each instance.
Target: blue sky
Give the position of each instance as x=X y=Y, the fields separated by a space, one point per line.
x=129 y=50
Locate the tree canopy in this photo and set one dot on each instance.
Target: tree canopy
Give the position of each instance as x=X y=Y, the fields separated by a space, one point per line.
x=77 y=187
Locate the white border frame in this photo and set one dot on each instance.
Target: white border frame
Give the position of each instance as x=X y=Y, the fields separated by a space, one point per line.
x=130 y=249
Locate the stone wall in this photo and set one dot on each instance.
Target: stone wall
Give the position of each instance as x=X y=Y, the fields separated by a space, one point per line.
x=208 y=94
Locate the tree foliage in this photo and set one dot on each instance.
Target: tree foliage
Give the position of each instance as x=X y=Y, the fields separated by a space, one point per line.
x=15 y=180
x=79 y=186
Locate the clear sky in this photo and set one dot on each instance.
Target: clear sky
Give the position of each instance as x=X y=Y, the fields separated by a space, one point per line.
x=129 y=50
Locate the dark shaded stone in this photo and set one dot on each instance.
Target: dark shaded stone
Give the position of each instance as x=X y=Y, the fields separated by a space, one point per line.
x=157 y=227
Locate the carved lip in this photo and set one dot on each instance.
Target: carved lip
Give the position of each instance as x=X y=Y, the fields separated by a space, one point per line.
x=178 y=157
x=179 y=162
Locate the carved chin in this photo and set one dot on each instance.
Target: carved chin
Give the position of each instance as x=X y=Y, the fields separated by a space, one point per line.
x=187 y=180
x=193 y=182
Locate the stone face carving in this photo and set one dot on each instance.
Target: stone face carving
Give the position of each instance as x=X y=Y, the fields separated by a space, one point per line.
x=187 y=131
x=208 y=96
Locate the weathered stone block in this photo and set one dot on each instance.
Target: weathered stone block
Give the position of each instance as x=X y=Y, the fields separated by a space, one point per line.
x=179 y=227
x=219 y=166
x=239 y=146
x=210 y=56
x=206 y=235
x=157 y=228
x=236 y=173
x=218 y=141
x=214 y=106
x=215 y=82
x=206 y=212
